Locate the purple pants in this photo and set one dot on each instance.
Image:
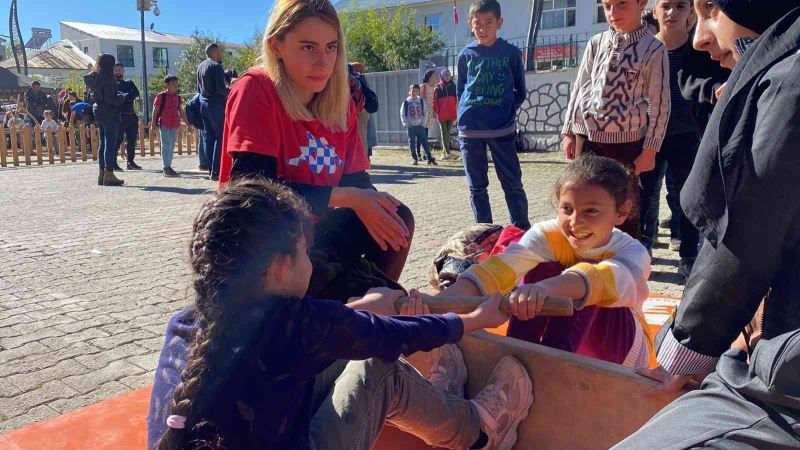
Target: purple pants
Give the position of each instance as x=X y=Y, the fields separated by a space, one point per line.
x=601 y=333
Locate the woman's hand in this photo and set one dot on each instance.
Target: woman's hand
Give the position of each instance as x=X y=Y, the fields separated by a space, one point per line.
x=527 y=301
x=378 y=212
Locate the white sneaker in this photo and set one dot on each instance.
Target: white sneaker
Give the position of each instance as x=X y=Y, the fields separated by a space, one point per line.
x=504 y=403
x=448 y=371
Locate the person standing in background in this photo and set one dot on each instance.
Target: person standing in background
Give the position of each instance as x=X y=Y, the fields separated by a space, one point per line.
x=445 y=106
x=129 y=121
x=213 y=95
x=427 y=87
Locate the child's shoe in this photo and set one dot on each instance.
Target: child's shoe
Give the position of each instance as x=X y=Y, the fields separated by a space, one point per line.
x=504 y=403
x=432 y=161
x=448 y=371
x=414 y=162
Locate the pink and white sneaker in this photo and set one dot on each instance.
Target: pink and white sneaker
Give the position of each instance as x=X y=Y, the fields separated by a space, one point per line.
x=448 y=372
x=504 y=402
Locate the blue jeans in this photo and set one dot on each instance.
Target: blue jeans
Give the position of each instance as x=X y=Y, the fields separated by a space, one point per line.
x=201 y=148
x=417 y=135
x=168 y=138
x=509 y=172
x=213 y=114
x=107 y=150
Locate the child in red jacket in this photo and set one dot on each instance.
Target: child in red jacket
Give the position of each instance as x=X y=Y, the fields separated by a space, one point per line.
x=445 y=102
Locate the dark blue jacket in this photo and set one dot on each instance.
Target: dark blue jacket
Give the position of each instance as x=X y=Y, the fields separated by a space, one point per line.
x=491 y=87
x=266 y=363
x=211 y=81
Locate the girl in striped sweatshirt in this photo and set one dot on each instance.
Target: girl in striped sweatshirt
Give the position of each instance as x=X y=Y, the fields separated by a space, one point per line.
x=580 y=255
x=620 y=104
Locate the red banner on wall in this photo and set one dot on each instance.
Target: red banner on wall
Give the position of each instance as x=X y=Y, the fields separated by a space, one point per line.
x=555 y=52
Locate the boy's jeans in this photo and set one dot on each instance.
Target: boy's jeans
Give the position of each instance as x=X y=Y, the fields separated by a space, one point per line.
x=168 y=138
x=352 y=399
x=509 y=172
x=417 y=135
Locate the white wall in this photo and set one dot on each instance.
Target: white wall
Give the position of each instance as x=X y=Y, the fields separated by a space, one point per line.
x=516 y=19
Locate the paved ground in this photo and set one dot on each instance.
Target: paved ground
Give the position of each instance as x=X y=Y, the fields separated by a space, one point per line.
x=89 y=275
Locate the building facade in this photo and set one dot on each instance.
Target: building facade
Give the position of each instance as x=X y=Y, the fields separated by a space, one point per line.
x=161 y=49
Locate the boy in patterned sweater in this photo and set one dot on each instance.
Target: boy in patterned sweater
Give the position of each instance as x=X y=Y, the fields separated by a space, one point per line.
x=620 y=104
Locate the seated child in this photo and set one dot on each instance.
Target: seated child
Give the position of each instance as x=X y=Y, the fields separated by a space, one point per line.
x=581 y=255
x=271 y=369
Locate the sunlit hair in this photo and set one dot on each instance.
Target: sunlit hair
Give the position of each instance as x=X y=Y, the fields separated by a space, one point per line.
x=331 y=106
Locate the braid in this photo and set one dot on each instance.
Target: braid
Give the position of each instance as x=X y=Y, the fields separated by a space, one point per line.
x=235 y=236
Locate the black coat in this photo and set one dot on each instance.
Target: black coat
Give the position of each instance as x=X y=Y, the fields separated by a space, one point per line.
x=698 y=79
x=107 y=99
x=743 y=194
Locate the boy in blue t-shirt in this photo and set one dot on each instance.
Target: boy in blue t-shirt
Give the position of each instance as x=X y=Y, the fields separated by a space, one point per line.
x=491 y=87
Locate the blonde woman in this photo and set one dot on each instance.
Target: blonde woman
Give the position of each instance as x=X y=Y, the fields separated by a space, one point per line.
x=292 y=119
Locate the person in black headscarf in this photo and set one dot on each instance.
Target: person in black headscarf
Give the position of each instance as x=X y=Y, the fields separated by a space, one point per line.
x=744 y=197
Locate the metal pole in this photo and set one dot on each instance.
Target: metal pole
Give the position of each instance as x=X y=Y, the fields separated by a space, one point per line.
x=146 y=97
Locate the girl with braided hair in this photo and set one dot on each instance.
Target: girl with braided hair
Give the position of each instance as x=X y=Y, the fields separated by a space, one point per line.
x=292 y=119
x=270 y=368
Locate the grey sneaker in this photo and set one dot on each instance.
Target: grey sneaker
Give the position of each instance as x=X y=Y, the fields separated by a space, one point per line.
x=448 y=371
x=675 y=244
x=504 y=403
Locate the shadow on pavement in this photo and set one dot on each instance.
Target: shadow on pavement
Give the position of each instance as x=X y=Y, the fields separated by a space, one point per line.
x=174 y=190
x=383 y=174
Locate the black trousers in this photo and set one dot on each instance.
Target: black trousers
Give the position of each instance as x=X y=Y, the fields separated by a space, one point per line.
x=740 y=406
x=129 y=131
x=677 y=154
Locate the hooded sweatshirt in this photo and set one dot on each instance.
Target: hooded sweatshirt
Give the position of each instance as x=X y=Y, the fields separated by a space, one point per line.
x=445 y=100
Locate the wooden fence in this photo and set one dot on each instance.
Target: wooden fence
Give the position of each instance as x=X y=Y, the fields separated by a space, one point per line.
x=34 y=146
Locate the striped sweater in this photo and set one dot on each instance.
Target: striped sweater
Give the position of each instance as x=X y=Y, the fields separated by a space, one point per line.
x=622 y=91
x=615 y=275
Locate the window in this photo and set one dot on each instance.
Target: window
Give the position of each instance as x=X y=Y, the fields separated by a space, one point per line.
x=435 y=22
x=600 y=15
x=558 y=14
x=160 y=57
x=125 y=55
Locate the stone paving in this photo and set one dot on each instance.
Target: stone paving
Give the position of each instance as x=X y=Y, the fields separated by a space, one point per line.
x=90 y=275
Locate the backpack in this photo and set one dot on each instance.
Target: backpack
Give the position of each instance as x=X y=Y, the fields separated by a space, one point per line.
x=370 y=99
x=160 y=110
x=192 y=110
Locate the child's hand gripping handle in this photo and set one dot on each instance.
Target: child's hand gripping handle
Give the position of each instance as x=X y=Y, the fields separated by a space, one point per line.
x=553 y=306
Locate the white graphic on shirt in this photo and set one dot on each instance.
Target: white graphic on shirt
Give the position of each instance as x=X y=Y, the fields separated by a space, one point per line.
x=319 y=155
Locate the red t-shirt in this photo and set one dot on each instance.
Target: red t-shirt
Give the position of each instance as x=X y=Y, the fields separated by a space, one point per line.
x=171 y=114
x=306 y=152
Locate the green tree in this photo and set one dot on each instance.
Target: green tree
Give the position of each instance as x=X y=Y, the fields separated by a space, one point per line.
x=190 y=58
x=246 y=55
x=387 y=39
